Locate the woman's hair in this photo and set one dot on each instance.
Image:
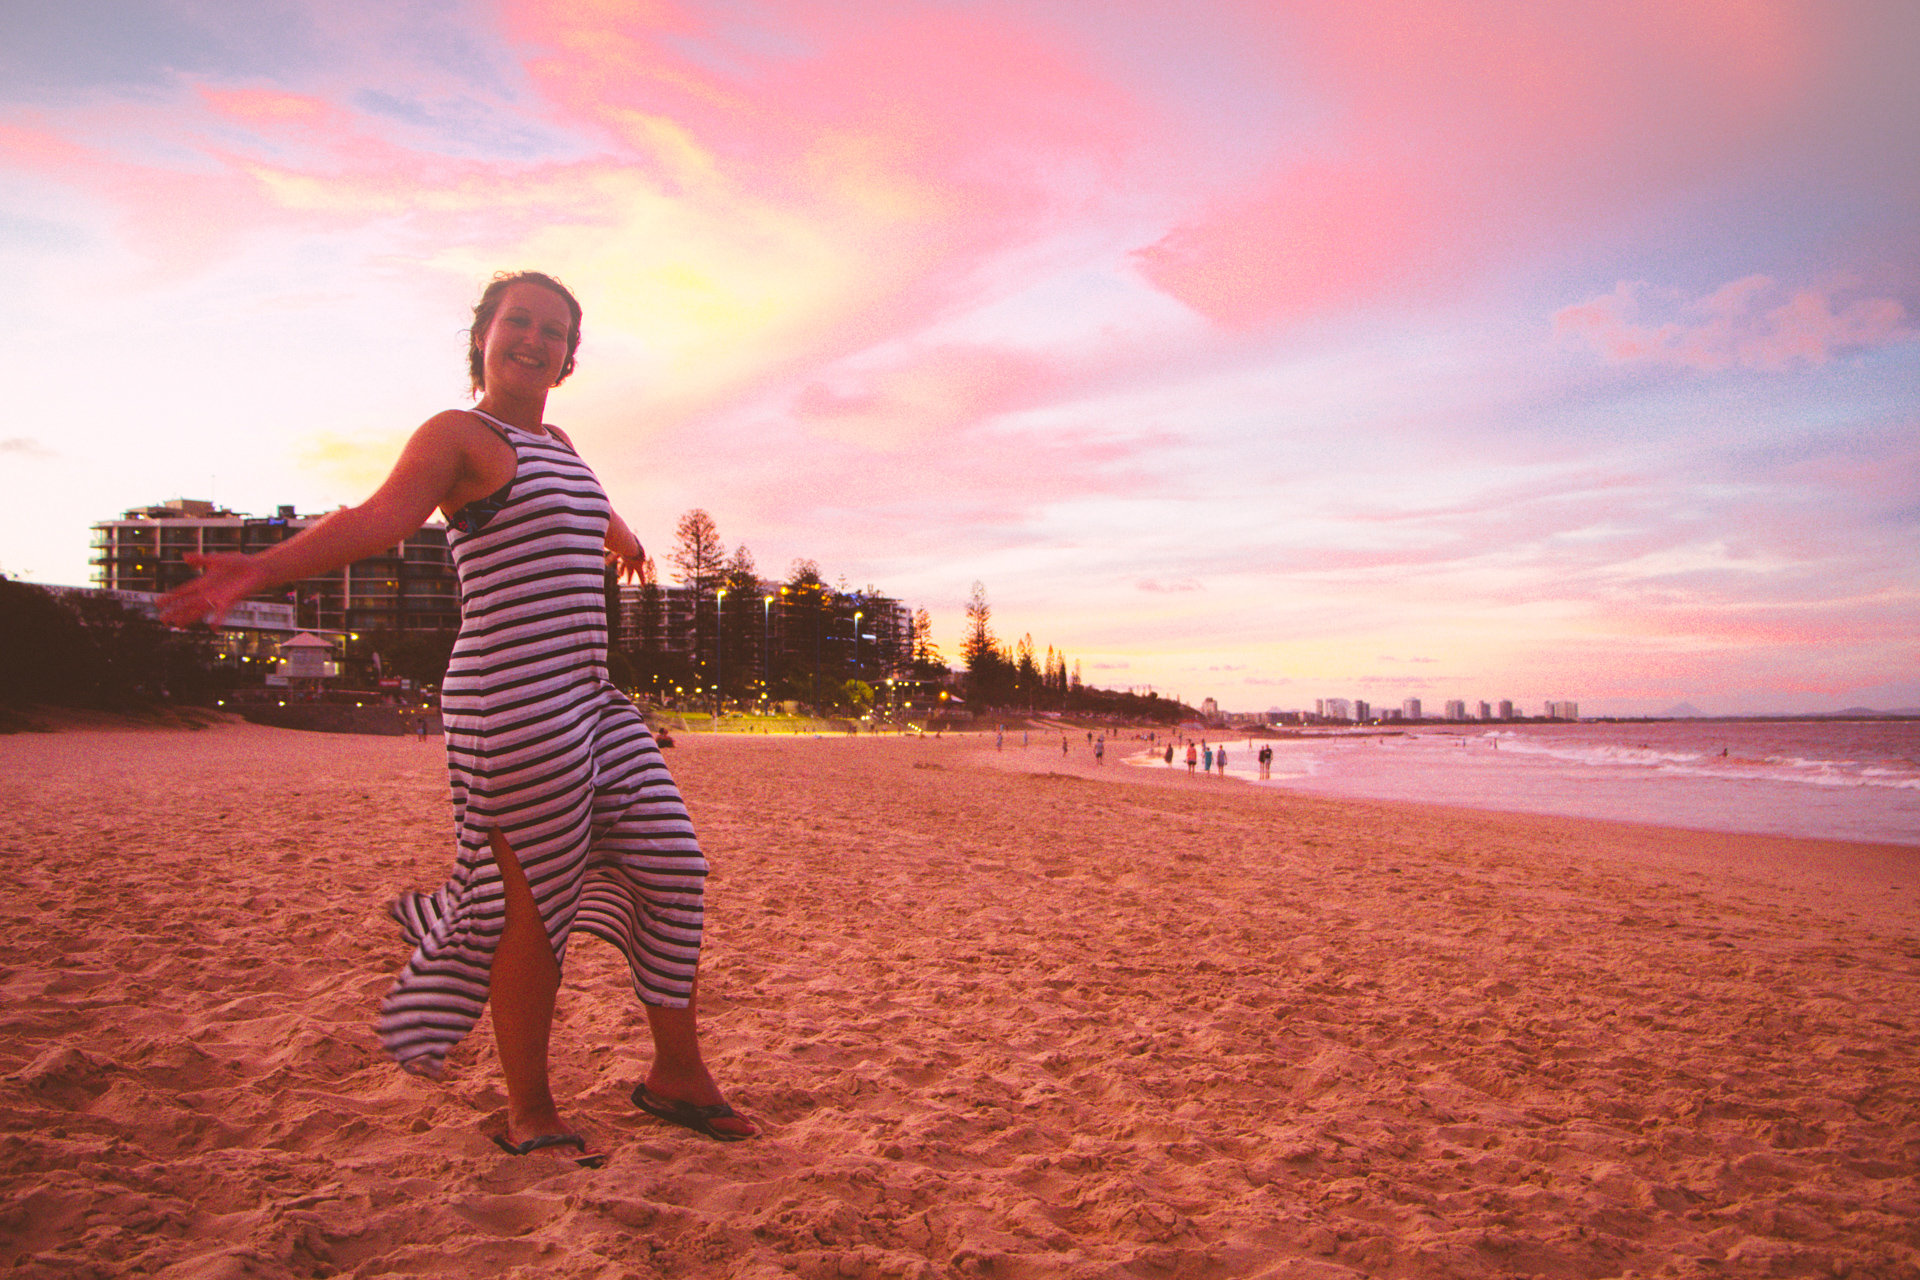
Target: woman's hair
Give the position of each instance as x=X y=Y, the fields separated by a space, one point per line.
x=490 y=303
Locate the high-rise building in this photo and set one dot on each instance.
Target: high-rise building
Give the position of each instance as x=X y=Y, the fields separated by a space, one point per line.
x=1563 y=711
x=1456 y=709
x=1486 y=712
x=1504 y=709
x=1362 y=711
x=1410 y=708
x=408 y=587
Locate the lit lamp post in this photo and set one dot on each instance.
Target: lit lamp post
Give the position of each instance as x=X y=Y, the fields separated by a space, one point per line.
x=719 y=620
x=856 y=644
x=766 y=647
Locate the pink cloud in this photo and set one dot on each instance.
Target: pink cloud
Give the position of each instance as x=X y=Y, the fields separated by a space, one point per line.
x=891 y=152
x=1816 y=625
x=270 y=106
x=1732 y=327
x=934 y=393
x=1327 y=234
x=1442 y=137
x=180 y=220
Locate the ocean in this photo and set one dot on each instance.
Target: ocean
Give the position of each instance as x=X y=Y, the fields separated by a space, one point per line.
x=1839 y=780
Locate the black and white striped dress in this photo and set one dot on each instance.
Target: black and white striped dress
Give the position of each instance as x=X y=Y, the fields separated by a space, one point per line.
x=542 y=747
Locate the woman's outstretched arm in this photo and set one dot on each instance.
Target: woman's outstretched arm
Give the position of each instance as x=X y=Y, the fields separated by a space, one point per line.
x=429 y=468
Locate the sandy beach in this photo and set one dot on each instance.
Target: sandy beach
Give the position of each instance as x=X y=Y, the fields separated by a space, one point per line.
x=1002 y=1014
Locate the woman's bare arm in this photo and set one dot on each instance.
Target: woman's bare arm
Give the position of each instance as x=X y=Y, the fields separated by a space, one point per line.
x=429 y=468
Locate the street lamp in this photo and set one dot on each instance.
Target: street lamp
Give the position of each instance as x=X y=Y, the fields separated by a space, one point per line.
x=719 y=651
x=856 y=644
x=766 y=647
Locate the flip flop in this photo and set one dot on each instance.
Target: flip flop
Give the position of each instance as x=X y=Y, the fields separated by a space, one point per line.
x=546 y=1140
x=687 y=1115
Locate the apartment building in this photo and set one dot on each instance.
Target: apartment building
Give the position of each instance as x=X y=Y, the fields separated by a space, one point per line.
x=772 y=628
x=409 y=587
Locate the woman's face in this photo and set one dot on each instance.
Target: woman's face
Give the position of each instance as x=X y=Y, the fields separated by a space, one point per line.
x=525 y=346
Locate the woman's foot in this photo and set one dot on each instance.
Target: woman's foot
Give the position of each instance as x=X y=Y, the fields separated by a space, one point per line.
x=692 y=1102
x=546 y=1134
x=679 y=1087
x=568 y=1146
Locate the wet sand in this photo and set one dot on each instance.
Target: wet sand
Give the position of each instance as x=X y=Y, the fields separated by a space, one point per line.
x=1002 y=1013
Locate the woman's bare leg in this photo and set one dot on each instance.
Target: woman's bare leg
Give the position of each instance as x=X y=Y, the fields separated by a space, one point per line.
x=679 y=1072
x=525 y=985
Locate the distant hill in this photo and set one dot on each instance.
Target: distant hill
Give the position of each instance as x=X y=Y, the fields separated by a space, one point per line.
x=1682 y=711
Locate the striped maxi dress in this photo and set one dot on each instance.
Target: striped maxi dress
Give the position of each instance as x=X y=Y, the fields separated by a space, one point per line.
x=541 y=746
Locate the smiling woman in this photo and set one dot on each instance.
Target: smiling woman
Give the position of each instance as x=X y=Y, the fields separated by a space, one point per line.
x=565 y=811
x=519 y=317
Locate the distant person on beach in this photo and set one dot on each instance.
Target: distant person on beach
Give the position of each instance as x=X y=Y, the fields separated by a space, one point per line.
x=1100 y=750
x=1220 y=759
x=1266 y=761
x=1169 y=755
x=1193 y=758
x=1208 y=752
x=557 y=781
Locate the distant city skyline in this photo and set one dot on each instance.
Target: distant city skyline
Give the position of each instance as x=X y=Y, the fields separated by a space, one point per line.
x=1242 y=350
x=1358 y=710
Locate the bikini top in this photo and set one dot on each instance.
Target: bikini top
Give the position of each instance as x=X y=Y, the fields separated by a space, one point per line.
x=474 y=516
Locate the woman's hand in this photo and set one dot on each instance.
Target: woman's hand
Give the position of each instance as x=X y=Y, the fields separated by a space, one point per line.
x=226 y=578
x=624 y=552
x=631 y=568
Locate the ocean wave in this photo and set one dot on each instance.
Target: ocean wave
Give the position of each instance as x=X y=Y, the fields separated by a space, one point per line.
x=1707 y=764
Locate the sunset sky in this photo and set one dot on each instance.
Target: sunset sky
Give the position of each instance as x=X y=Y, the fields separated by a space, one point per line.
x=1264 y=351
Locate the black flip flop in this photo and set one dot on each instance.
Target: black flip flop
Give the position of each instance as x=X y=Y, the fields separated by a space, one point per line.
x=546 y=1140
x=687 y=1115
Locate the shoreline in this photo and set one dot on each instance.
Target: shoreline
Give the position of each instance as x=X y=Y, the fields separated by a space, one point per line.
x=1609 y=798
x=1880 y=878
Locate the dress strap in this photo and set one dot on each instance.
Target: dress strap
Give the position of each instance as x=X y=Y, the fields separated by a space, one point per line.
x=499 y=428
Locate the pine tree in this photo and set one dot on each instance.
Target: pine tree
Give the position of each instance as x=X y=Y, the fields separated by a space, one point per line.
x=981 y=651
x=1026 y=674
x=804 y=609
x=698 y=553
x=927 y=659
x=699 y=557
x=978 y=648
x=743 y=631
